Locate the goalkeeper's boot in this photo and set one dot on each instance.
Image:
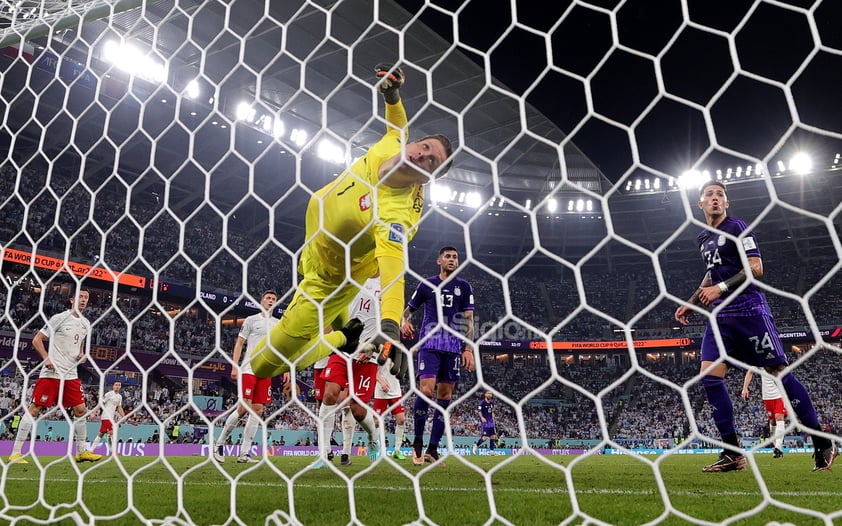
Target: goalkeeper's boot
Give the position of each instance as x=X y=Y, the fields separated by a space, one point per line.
x=87 y=456
x=344 y=460
x=777 y=453
x=17 y=458
x=246 y=459
x=219 y=454
x=824 y=458
x=352 y=331
x=728 y=461
x=397 y=455
x=321 y=464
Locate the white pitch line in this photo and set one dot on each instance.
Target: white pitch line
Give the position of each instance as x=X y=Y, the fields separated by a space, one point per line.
x=546 y=491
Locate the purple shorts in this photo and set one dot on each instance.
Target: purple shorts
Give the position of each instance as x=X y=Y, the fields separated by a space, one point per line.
x=443 y=366
x=753 y=340
x=488 y=430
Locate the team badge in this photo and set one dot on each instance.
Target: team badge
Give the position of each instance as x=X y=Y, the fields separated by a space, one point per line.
x=248 y=391
x=749 y=244
x=44 y=398
x=365 y=202
x=720 y=241
x=396 y=232
x=457 y=291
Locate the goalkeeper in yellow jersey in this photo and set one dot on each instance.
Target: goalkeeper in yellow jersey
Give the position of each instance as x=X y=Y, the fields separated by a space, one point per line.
x=356 y=227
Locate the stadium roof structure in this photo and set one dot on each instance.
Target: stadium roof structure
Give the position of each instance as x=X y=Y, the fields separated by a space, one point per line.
x=239 y=53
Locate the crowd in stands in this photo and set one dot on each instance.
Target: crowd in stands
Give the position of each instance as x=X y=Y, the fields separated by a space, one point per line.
x=537 y=400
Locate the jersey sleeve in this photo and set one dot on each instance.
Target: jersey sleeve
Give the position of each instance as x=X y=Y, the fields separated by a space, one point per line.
x=396 y=119
x=469 y=298
x=418 y=297
x=749 y=241
x=53 y=325
x=245 y=330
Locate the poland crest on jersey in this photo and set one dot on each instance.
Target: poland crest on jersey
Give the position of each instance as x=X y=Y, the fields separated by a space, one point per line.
x=365 y=202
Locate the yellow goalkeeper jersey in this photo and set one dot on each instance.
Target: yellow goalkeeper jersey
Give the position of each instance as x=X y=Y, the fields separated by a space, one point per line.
x=373 y=220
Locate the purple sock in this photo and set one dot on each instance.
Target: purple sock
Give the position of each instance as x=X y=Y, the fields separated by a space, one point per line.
x=419 y=416
x=803 y=405
x=723 y=407
x=438 y=424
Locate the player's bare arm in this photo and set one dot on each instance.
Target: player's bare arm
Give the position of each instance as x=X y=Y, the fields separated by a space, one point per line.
x=41 y=349
x=746 y=383
x=407 y=328
x=82 y=356
x=713 y=291
x=235 y=357
x=682 y=314
x=468 y=361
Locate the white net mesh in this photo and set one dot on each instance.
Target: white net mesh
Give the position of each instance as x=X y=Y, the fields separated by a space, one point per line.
x=163 y=154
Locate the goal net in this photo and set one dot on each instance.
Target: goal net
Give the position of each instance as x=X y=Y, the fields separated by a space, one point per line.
x=161 y=157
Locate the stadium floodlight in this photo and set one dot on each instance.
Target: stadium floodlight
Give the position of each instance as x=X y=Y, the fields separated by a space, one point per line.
x=692 y=179
x=330 y=151
x=298 y=136
x=781 y=167
x=473 y=200
x=657 y=183
x=133 y=61
x=528 y=204
x=571 y=205
x=552 y=205
x=278 y=128
x=265 y=123
x=245 y=112
x=439 y=193
x=580 y=205
x=192 y=90
x=801 y=163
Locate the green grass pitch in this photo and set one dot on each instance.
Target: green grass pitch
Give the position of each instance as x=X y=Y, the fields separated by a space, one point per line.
x=521 y=490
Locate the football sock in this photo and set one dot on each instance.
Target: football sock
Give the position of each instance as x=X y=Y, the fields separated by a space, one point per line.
x=438 y=423
x=803 y=406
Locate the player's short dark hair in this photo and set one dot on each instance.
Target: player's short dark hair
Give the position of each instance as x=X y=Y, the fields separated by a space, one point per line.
x=74 y=291
x=269 y=291
x=712 y=183
x=448 y=149
x=447 y=248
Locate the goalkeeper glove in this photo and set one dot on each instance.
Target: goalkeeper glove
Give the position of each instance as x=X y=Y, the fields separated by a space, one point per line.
x=390 y=347
x=390 y=82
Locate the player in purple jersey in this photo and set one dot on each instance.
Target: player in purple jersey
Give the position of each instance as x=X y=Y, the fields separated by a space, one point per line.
x=746 y=326
x=440 y=352
x=488 y=429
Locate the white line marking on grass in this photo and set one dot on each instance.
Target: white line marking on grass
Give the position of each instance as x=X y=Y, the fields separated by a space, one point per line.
x=479 y=489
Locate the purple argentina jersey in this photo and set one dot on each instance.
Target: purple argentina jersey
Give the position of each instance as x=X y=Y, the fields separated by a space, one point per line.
x=486 y=409
x=722 y=257
x=455 y=296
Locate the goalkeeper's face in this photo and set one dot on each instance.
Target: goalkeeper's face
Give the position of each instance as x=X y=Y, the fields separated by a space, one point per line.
x=426 y=156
